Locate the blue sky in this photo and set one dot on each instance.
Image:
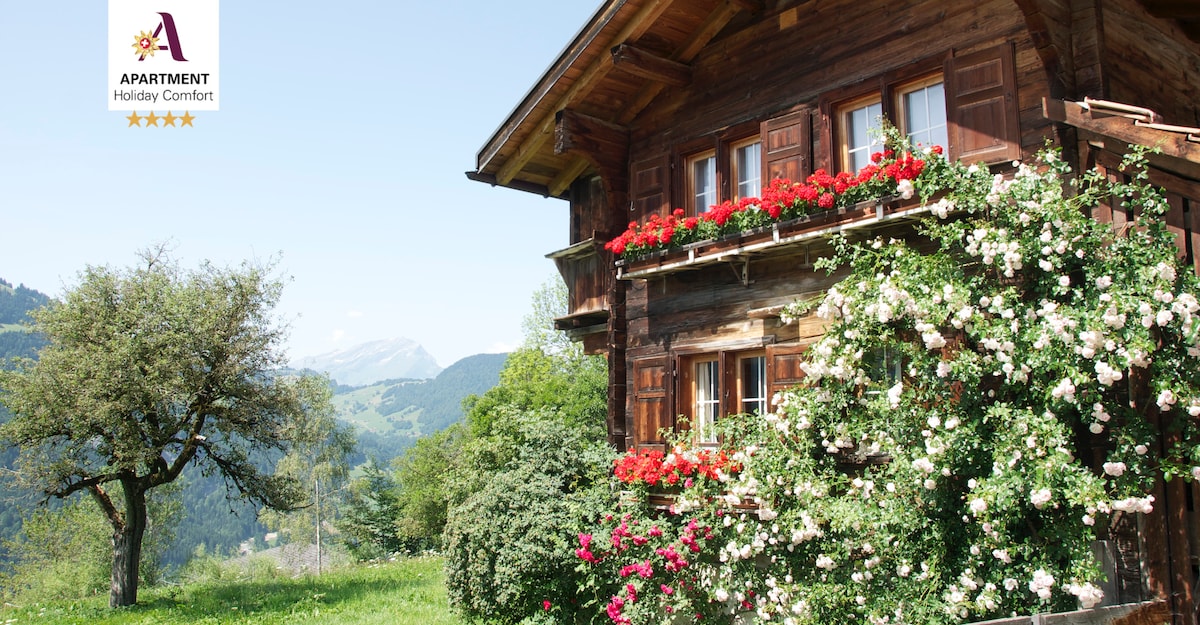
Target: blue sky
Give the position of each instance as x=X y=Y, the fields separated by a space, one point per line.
x=344 y=133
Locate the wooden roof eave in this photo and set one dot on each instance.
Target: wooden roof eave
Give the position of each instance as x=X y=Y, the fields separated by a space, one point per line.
x=590 y=59
x=567 y=59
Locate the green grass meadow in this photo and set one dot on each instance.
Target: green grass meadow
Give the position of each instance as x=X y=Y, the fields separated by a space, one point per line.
x=410 y=591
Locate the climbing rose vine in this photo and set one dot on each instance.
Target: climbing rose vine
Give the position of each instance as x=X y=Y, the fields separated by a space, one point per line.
x=1041 y=355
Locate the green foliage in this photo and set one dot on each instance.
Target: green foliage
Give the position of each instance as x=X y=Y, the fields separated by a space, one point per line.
x=61 y=554
x=405 y=592
x=533 y=470
x=422 y=478
x=508 y=544
x=153 y=368
x=548 y=371
x=210 y=519
x=65 y=551
x=573 y=384
x=370 y=512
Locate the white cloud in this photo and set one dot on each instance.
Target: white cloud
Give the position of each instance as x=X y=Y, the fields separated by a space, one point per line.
x=354 y=314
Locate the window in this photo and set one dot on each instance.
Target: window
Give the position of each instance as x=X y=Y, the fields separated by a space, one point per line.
x=884 y=370
x=693 y=391
x=705 y=384
x=916 y=107
x=707 y=406
x=752 y=384
x=859 y=125
x=702 y=182
x=923 y=112
x=720 y=168
x=747 y=168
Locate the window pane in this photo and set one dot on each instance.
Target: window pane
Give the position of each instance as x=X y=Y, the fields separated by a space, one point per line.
x=748 y=160
x=884 y=370
x=925 y=115
x=704 y=183
x=863 y=134
x=708 y=399
x=754 y=385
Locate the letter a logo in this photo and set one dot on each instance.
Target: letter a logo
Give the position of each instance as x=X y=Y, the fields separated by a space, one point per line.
x=146 y=43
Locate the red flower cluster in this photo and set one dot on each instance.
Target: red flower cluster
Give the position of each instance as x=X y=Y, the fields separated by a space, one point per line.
x=656 y=232
x=651 y=467
x=782 y=199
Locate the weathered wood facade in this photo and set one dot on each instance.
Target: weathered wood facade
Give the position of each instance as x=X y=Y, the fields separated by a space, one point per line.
x=650 y=88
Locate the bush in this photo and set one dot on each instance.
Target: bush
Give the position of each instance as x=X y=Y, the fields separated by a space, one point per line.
x=507 y=546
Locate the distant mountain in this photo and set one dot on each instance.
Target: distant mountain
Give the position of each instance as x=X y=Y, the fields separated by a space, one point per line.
x=368 y=363
x=391 y=415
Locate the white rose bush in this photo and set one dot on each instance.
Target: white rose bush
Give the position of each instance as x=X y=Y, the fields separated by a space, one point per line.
x=1034 y=359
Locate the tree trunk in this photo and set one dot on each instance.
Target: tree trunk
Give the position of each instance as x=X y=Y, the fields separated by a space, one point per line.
x=127 y=548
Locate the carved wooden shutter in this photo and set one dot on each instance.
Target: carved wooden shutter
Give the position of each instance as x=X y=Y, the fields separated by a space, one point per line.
x=650 y=182
x=651 y=406
x=783 y=367
x=787 y=147
x=981 y=105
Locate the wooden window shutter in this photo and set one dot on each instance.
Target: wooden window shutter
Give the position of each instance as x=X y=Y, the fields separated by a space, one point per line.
x=650 y=187
x=981 y=106
x=651 y=406
x=787 y=147
x=783 y=367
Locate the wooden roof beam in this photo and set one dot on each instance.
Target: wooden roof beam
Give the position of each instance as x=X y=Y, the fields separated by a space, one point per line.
x=635 y=28
x=685 y=54
x=639 y=62
x=520 y=185
x=602 y=144
x=589 y=136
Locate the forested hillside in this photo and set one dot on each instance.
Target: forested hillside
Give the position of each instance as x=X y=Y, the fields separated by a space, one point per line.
x=15 y=341
x=15 y=304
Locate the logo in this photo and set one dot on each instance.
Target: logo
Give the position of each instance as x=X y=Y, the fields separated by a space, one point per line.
x=146 y=43
x=174 y=68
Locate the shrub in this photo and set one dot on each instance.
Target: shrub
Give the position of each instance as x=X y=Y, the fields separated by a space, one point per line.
x=507 y=546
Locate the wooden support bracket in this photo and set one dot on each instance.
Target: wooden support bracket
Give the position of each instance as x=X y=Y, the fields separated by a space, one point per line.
x=639 y=62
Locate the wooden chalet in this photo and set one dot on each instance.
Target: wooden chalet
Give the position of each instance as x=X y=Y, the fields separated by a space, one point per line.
x=658 y=104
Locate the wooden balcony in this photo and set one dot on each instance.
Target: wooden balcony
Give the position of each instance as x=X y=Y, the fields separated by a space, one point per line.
x=584 y=267
x=740 y=248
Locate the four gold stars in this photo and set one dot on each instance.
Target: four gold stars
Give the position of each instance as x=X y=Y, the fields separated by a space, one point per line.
x=168 y=120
